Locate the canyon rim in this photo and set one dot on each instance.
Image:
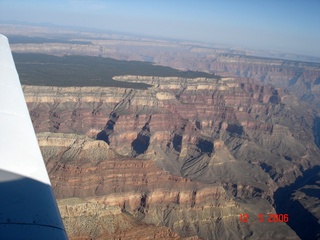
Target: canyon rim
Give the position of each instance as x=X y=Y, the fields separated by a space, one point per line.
x=178 y=157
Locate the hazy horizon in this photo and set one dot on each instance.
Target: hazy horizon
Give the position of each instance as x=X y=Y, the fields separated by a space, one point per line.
x=287 y=26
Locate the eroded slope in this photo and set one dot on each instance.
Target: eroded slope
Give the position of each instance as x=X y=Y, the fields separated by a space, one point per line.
x=190 y=154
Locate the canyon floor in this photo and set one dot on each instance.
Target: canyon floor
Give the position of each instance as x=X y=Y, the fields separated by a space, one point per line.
x=196 y=142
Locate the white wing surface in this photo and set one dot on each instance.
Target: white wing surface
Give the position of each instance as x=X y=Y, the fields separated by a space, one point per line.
x=28 y=209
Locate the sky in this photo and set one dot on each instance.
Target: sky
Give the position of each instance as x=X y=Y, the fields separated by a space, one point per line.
x=291 y=26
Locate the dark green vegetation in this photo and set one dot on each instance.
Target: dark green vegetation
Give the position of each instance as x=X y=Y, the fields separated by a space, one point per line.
x=48 y=70
x=15 y=39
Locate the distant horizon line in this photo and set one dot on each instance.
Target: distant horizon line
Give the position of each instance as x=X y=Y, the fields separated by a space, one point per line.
x=255 y=52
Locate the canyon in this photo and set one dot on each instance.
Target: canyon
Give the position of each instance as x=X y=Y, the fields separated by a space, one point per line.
x=188 y=154
x=296 y=73
x=182 y=157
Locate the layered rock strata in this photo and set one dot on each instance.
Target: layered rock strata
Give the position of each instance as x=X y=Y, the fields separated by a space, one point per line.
x=126 y=197
x=189 y=154
x=91 y=220
x=301 y=78
x=218 y=147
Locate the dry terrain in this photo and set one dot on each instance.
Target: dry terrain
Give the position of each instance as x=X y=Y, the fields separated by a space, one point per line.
x=180 y=157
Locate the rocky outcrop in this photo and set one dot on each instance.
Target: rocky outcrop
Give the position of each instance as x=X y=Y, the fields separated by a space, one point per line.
x=193 y=159
x=186 y=156
x=119 y=196
x=199 y=119
x=87 y=219
x=301 y=78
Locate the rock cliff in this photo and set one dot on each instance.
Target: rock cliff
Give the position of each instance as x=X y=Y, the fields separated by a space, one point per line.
x=188 y=154
x=128 y=197
x=184 y=158
x=301 y=78
x=93 y=220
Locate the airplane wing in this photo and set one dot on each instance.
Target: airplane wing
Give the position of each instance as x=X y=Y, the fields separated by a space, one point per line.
x=28 y=209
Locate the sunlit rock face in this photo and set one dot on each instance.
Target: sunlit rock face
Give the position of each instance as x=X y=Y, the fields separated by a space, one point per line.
x=188 y=154
x=301 y=77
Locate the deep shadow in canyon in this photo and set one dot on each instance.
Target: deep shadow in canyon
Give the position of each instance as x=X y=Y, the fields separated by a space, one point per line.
x=316 y=131
x=141 y=143
x=304 y=223
x=108 y=129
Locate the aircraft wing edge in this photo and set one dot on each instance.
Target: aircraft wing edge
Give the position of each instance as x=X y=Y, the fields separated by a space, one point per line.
x=28 y=209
